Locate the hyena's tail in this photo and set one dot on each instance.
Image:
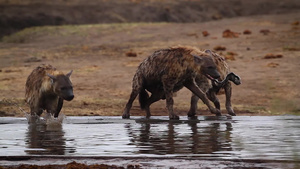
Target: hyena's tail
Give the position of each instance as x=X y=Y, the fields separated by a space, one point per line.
x=143 y=97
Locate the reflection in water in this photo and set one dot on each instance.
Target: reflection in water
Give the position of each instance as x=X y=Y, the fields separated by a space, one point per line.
x=261 y=137
x=181 y=138
x=42 y=139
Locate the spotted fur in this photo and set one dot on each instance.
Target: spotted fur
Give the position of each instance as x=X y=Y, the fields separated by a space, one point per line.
x=167 y=71
x=212 y=89
x=46 y=88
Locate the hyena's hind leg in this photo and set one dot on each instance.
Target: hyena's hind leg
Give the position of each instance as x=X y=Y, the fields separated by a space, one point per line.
x=136 y=89
x=126 y=112
x=155 y=96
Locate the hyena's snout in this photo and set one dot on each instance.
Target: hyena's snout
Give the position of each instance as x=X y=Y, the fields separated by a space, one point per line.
x=67 y=94
x=215 y=74
x=212 y=73
x=69 y=98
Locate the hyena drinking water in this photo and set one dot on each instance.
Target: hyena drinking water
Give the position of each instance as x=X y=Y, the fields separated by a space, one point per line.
x=212 y=87
x=167 y=71
x=46 y=88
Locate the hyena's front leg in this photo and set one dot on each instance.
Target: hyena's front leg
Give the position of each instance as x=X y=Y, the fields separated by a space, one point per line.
x=35 y=114
x=155 y=96
x=59 y=107
x=211 y=94
x=193 y=107
x=35 y=109
x=191 y=85
x=229 y=109
x=52 y=105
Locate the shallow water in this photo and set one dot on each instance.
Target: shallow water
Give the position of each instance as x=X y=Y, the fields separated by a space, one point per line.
x=240 y=137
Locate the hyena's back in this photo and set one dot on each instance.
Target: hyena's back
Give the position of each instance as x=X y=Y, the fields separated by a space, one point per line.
x=173 y=62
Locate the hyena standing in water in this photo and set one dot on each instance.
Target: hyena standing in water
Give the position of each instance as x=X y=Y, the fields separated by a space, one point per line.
x=167 y=71
x=46 y=88
x=212 y=87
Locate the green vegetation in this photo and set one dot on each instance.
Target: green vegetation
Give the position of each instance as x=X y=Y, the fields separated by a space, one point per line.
x=284 y=106
x=30 y=34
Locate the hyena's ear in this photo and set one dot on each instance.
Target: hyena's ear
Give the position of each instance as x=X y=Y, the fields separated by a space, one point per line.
x=52 y=78
x=197 y=59
x=208 y=51
x=69 y=74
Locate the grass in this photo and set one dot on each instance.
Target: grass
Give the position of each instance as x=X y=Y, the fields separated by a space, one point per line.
x=29 y=34
x=284 y=106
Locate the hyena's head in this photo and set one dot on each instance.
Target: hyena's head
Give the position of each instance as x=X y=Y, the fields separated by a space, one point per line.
x=234 y=78
x=62 y=86
x=208 y=66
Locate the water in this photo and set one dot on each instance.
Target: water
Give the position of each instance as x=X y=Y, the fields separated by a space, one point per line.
x=240 y=137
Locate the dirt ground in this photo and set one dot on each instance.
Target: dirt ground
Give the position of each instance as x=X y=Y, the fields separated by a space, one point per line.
x=264 y=51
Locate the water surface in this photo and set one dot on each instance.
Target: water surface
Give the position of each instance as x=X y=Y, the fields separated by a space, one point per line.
x=240 y=137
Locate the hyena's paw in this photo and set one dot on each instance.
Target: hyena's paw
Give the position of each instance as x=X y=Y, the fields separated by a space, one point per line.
x=126 y=116
x=217 y=112
x=174 y=117
x=231 y=112
x=191 y=114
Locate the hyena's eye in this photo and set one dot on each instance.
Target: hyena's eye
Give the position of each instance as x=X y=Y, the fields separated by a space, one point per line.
x=63 y=88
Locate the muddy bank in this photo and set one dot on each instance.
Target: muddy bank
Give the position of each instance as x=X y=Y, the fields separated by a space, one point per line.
x=16 y=15
x=138 y=162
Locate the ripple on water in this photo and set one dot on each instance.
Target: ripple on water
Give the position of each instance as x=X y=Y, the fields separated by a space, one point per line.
x=47 y=119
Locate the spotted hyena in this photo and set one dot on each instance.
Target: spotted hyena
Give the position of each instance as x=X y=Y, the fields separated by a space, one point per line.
x=46 y=88
x=167 y=71
x=212 y=87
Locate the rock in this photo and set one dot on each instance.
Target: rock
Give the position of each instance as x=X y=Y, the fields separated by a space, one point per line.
x=272 y=56
x=219 y=48
x=247 y=32
x=229 y=34
x=230 y=56
x=131 y=54
x=205 y=33
x=296 y=23
x=265 y=31
x=273 y=65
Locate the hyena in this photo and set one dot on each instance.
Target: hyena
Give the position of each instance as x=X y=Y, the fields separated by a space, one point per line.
x=167 y=71
x=46 y=88
x=212 y=87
